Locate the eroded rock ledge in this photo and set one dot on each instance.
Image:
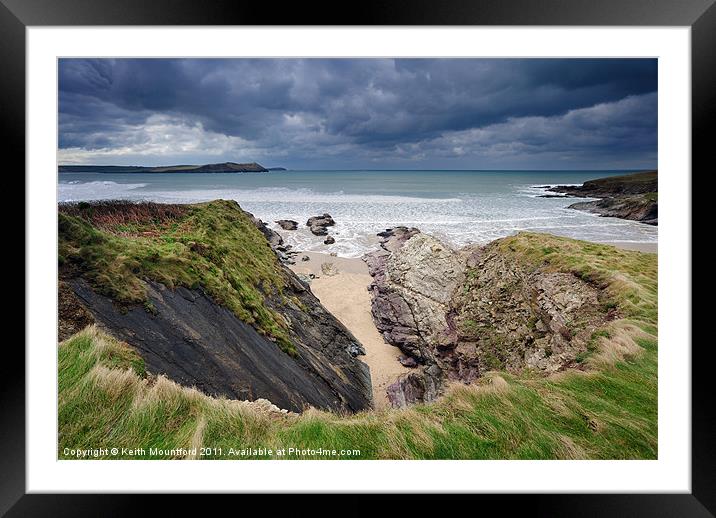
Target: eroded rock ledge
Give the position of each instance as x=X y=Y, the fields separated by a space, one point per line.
x=461 y=313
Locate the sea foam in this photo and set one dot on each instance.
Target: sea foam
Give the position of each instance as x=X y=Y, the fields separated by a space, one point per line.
x=458 y=208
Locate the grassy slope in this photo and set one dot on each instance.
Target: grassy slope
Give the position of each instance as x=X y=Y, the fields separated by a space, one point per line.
x=608 y=412
x=631 y=178
x=212 y=245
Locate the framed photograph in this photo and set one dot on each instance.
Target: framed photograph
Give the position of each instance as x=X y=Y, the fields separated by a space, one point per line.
x=429 y=239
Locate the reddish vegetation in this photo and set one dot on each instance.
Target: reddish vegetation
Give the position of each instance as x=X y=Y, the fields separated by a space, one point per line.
x=108 y=215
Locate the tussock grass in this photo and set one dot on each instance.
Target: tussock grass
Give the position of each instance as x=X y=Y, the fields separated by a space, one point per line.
x=123 y=216
x=607 y=411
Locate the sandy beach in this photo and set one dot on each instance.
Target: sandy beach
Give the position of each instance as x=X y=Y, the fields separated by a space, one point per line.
x=345 y=294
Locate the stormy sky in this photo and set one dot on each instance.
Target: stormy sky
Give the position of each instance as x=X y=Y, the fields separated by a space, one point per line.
x=361 y=113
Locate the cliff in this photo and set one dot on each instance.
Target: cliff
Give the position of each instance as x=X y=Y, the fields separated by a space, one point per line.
x=200 y=294
x=633 y=196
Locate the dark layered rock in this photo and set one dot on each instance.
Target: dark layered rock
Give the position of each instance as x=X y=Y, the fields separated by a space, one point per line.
x=459 y=314
x=633 y=196
x=318 y=225
x=329 y=240
x=283 y=251
x=196 y=342
x=640 y=207
x=287 y=224
x=274 y=238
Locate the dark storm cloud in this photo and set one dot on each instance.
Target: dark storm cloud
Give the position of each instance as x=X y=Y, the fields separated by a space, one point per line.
x=365 y=110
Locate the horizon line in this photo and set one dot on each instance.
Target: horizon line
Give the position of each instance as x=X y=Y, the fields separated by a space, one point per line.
x=286 y=169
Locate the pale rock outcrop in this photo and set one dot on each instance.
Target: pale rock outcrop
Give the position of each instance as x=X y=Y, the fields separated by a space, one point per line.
x=459 y=314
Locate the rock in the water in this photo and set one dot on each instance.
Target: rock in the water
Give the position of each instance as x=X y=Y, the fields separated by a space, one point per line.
x=318 y=224
x=329 y=240
x=305 y=258
x=287 y=224
x=632 y=196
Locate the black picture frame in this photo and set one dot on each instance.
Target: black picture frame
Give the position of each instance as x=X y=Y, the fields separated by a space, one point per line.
x=700 y=15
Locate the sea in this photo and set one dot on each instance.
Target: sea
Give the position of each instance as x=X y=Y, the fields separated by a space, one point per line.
x=459 y=207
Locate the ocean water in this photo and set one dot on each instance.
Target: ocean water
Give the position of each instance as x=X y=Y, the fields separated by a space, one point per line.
x=460 y=207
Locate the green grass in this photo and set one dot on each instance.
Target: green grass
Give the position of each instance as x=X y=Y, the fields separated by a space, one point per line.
x=608 y=411
x=212 y=245
x=646 y=177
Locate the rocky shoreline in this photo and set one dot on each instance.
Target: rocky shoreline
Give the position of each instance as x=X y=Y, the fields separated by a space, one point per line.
x=633 y=197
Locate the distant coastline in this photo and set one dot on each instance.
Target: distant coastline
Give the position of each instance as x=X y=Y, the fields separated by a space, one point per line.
x=224 y=167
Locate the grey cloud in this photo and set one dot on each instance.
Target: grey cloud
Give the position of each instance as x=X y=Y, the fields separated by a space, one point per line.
x=315 y=110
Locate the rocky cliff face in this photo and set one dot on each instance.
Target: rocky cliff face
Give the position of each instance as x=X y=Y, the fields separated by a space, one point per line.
x=275 y=341
x=462 y=313
x=639 y=207
x=412 y=289
x=196 y=342
x=631 y=196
